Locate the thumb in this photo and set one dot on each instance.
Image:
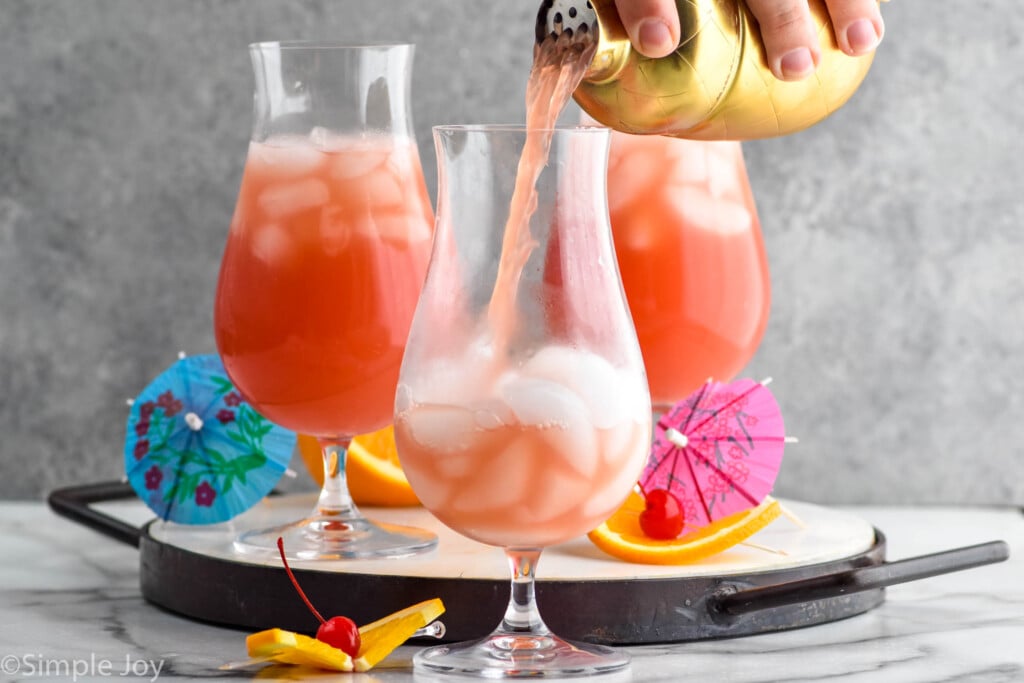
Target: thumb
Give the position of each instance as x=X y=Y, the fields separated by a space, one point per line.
x=652 y=25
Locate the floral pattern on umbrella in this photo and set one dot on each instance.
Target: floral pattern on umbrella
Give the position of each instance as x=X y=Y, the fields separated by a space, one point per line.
x=718 y=451
x=195 y=451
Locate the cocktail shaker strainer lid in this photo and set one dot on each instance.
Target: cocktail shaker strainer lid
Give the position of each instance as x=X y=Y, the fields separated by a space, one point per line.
x=572 y=17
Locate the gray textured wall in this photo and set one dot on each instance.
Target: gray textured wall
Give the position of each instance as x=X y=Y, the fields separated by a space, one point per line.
x=893 y=229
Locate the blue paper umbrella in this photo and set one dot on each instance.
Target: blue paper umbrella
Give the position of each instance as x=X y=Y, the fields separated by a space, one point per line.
x=196 y=452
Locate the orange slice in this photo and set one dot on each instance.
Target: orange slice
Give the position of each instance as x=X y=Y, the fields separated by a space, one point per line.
x=622 y=537
x=374 y=474
x=377 y=641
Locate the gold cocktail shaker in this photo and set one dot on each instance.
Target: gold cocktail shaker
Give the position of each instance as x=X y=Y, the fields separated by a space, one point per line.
x=717 y=84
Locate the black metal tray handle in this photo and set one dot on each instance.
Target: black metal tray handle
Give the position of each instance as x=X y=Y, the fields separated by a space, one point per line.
x=75 y=503
x=730 y=602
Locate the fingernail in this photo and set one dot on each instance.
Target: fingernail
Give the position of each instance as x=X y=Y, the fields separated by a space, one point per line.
x=796 y=63
x=655 y=38
x=861 y=36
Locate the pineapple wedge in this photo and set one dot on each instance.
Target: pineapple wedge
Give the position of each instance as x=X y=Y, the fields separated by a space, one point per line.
x=287 y=647
x=380 y=638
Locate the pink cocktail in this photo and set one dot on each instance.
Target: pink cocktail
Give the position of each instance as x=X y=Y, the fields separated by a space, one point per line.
x=324 y=262
x=323 y=265
x=528 y=450
x=688 y=242
x=522 y=416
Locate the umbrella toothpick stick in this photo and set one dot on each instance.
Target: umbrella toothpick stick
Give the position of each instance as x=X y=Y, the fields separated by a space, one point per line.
x=765 y=548
x=786 y=512
x=791 y=516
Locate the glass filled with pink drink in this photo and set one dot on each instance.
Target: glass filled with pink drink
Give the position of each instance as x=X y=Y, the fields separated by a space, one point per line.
x=323 y=264
x=522 y=412
x=693 y=264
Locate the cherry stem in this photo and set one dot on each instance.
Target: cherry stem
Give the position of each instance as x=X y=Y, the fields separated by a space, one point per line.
x=280 y=548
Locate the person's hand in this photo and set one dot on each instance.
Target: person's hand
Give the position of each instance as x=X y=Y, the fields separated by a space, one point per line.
x=792 y=47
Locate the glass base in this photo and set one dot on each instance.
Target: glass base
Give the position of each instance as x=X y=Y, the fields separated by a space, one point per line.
x=337 y=538
x=503 y=655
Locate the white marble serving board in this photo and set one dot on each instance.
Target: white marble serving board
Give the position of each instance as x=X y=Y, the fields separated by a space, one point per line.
x=828 y=535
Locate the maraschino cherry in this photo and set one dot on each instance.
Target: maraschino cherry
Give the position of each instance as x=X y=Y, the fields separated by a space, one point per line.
x=662 y=518
x=339 y=632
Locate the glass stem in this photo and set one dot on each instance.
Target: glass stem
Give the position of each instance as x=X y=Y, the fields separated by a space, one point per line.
x=335 y=500
x=522 y=615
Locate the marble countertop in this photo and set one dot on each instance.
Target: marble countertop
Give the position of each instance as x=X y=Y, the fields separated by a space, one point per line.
x=71 y=610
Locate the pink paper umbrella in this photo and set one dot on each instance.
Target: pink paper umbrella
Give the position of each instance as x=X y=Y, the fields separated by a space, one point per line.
x=718 y=451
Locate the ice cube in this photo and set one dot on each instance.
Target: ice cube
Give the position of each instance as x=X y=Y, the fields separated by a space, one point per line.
x=335 y=230
x=421 y=234
x=638 y=167
x=433 y=491
x=555 y=494
x=593 y=379
x=355 y=159
x=634 y=396
x=540 y=402
x=333 y=142
x=550 y=362
x=711 y=213
x=444 y=381
x=493 y=414
x=454 y=465
x=601 y=391
x=444 y=428
x=435 y=381
x=279 y=201
x=272 y=244
x=561 y=416
x=467 y=376
x=726 y=172
x=392 y=227
x=573 y=443
x=381 y=188
x=501 y=481
x=404 y=160
x=286 y=156
x=623 y=442
x=689 y=164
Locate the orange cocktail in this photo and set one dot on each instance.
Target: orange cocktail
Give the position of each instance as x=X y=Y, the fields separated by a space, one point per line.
x=693 y=266
x=324 y=262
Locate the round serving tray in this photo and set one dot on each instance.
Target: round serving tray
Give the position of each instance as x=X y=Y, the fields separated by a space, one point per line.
x=583 y=593
x=830 y=567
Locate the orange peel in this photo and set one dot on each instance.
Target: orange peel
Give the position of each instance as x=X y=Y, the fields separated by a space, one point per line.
x=375 y=475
